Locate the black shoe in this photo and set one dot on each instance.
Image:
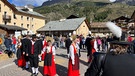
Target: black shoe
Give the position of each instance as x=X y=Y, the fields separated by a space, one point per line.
x=36 y=74
x=27 y=68
x=33 y=74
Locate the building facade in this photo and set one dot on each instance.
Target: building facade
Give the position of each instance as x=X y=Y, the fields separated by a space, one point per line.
x=65 y=26
x=22 y=17
x=126 y=24
x=99 y=29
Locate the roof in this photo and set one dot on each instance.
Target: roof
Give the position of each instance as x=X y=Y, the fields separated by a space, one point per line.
x=121 y=18
x=63 y=25
x=72 y=16
x=19 y=10
x=9 y=5
x=30 y=12
x=11 y=27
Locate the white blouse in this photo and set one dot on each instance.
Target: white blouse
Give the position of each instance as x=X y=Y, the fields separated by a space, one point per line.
x=48 y=49
x=71 y=53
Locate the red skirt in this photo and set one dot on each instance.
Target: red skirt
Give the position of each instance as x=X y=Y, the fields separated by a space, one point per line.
x=50 y=70
x=21 y=61
x=43 y=56
x=72 y=72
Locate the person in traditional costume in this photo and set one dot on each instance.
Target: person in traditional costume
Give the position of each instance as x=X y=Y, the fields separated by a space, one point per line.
x=40 y=41
x=94 y=49
x=20 y=57
x=34 y=53
x=26 y=43
x=88 y=46
x=73 y=65
x=44 y=48
x=49 y=68
x=113 y=62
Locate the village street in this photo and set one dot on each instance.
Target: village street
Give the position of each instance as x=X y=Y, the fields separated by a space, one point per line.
x=9 y=68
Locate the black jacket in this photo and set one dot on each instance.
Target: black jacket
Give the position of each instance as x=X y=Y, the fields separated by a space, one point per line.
x=26 y=44
x=38 y=45
x=68 y=42
x=88 y=45
x=112 y=65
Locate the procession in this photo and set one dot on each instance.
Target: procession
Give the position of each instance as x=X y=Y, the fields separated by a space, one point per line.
x=91 y=43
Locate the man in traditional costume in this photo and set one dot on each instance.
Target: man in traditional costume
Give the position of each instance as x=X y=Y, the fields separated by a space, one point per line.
x=88 y=46
x=34 y=53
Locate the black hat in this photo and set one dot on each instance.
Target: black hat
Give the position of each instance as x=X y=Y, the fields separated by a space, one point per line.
x=121 y=43
x=34 y=36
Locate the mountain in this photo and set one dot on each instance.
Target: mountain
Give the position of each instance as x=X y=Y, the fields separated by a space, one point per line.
x=51 y=2
x=93 y=10
x=129 y=2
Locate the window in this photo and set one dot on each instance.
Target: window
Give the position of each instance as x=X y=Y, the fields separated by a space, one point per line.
x=32 y=26
x=14 y=16
x=32 y=19
x=22 y=25
x=27 y=25
x=21 y=17
x=14 y=23
x=0 y=7
x=5 y=13
x=27 y=18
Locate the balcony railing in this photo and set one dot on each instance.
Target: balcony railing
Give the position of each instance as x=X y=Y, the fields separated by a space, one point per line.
x=6 y=17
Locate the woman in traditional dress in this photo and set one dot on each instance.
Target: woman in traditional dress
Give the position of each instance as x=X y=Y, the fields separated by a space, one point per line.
x=44 y=48
x=93 y=43
x=20 y=57
x=73 y=65
x=49 y=60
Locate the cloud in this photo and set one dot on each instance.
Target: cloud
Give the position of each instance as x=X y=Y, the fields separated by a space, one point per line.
x=25 y=2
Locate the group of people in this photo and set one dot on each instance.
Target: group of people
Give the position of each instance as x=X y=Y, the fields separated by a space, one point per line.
x=34 y=49
x=116 y=61
x=10 y=43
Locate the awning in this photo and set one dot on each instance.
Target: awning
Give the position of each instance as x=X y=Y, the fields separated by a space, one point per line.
x=12 y=27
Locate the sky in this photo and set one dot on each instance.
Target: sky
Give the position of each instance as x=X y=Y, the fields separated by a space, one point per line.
x=25 y=2
x=112 y=0
x=33 y=2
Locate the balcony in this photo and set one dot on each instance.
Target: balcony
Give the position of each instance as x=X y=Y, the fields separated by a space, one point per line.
x=7 y=18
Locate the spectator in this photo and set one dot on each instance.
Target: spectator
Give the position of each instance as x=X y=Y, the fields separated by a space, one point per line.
x=88 y=46
x=83 y=43
x=13 y=44
x=68 y=42
x=8 y=43
x=129 y=38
